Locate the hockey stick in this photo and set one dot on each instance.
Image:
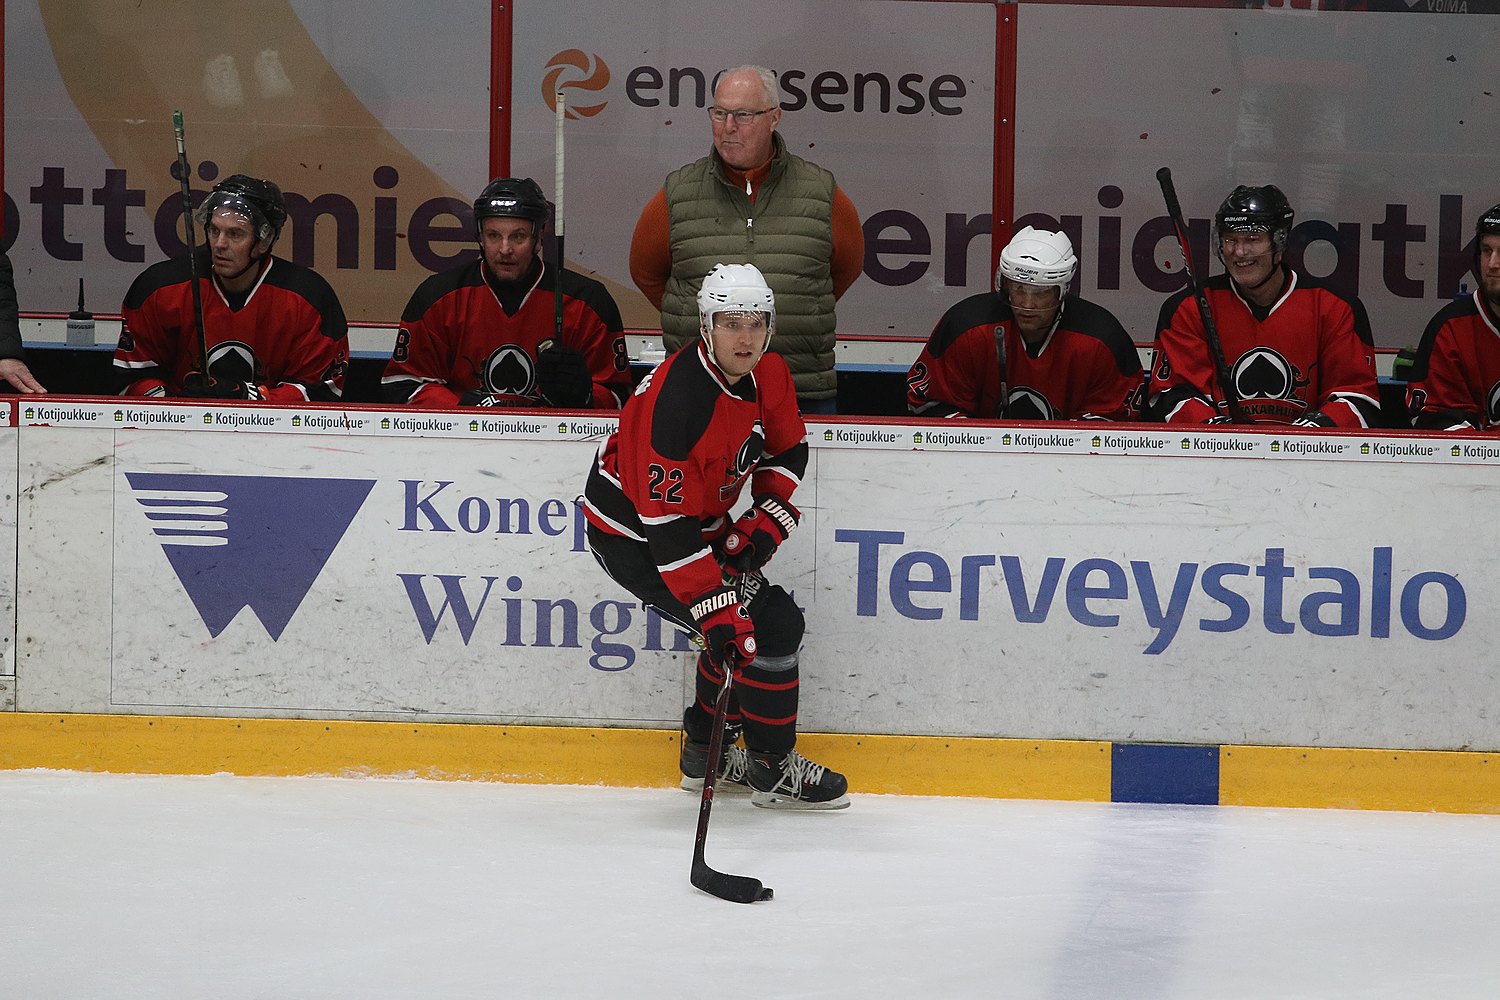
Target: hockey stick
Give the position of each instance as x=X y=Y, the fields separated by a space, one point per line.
x=187 y=218
x=735 y=888
x=1210 y=328
x=557 y=195
x=1000 y=352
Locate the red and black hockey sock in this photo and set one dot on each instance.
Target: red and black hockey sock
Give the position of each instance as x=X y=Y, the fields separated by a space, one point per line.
x=698 y=720
x=768 y=701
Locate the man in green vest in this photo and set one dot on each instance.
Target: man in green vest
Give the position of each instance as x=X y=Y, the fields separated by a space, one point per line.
x=750 y=201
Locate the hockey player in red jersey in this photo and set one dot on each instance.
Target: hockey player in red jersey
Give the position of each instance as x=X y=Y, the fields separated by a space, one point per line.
x=1297 y=351
x=1455 y=378
x=484 y=333
x=719 y=414
x=1049 y=354
x=274 y=329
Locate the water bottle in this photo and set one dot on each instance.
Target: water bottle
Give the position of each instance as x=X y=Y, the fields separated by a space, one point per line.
x=80 y=323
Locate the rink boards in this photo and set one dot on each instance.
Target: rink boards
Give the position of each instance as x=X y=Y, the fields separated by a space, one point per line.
x=1059 y=611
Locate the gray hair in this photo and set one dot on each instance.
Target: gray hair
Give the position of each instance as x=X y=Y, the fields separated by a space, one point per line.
x=767 y=82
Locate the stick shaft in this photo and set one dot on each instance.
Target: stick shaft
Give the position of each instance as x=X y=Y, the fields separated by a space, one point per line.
x=192 y=243
x=1210 y=328
x=560 y=218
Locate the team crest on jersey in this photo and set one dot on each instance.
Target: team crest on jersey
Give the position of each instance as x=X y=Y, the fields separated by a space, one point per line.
x=1268 y=385
x=233 y=361
x=509 y=371
x=745 y=460
x=1025 y=403
x=1492 y=406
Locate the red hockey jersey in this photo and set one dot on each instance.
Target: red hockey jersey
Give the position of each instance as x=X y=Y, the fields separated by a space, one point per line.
x=1455 y=379
x=687 y=444
x=1087 y=368
x=461 y=331
x=287 y=334
x=1309 y=355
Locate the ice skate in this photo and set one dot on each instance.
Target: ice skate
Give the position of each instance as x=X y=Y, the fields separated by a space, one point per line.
x=791 y=781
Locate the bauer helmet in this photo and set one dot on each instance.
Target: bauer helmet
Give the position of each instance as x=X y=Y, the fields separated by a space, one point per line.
x=511 y=198
x=734 y=288
x=1038 y=257
x=1254 y=210
x=1489 y=223
x=258 y=200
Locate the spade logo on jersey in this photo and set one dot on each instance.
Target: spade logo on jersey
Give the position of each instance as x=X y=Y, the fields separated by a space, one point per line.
x=232 y=544
x=1025 y=403
x=1261 y=373
x=233 y=361
x=509 y=371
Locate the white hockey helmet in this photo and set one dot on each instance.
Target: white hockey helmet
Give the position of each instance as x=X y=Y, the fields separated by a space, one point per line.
x=735 y=288
x=1037 y=257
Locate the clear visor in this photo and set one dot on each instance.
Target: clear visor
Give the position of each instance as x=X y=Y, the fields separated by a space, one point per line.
x=739 y=320
x=1024 y=295
x=236 y=206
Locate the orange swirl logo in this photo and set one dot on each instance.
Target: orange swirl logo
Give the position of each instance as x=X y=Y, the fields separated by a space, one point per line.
x=595 y=77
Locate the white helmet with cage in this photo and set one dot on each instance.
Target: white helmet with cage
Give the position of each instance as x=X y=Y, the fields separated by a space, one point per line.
x=1038 y=257
x=737 y=288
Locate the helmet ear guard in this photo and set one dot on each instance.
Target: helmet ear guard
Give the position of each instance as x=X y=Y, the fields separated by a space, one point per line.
x=1038 y=257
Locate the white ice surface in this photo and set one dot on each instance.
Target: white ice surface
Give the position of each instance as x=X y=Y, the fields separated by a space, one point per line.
x=220 y=887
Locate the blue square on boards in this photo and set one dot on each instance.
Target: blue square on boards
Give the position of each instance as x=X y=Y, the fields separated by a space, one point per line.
x=1162 y=772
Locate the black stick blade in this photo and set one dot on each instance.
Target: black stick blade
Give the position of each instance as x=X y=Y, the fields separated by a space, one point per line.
x=735 y=888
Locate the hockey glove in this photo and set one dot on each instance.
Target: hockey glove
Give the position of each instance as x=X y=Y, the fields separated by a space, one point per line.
x=754 y=538
x=563 y=376
x=197 y=385
x=728 y=633
x=1314 y=418
x=476 y=397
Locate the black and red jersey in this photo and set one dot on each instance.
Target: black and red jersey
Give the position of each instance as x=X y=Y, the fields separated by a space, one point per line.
x=287 y=334
x=463 y=331
x=1309 y=353
x=687 y=444
x=1087 y=368
x=1455 y=378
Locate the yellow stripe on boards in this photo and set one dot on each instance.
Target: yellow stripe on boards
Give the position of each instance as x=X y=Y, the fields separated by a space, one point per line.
x=1337 y=778
x=908 y=765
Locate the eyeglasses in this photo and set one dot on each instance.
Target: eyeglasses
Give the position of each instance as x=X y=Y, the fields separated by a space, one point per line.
x=721 y=115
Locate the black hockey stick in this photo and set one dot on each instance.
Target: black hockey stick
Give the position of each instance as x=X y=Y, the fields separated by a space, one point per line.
x=1004 y=406
x=557 y=195
x=187 y=218
x=735 y=888
x=1210 y=328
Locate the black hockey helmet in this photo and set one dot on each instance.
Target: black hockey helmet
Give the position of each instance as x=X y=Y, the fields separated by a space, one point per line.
x=1489 y=223
x=511 y=198
x=1254 y=210
x=258 y=200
